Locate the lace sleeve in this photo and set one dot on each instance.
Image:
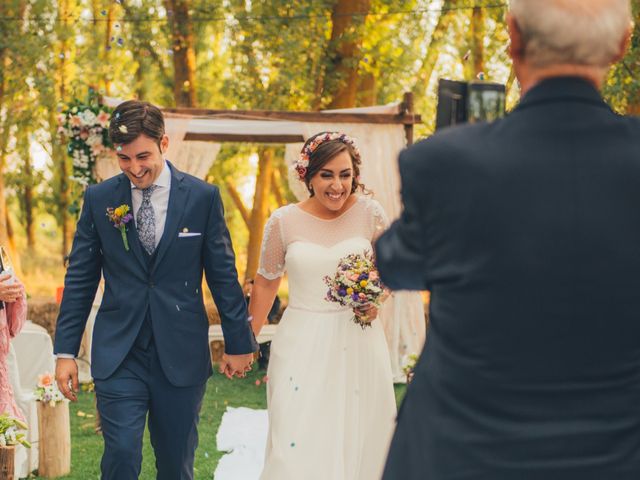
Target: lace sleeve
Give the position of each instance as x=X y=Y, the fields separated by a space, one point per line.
x=379 y=220
x=273 y=248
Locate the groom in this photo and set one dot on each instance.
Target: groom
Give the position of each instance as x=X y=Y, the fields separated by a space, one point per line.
x=527 y=233
x=150 y=350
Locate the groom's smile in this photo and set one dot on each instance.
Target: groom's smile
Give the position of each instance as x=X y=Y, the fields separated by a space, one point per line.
x=142 y=160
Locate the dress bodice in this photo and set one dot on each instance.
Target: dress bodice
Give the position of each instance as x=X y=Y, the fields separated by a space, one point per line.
x=309 y=248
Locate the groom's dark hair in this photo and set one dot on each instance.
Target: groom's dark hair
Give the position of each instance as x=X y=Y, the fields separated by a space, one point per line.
x=133 y=118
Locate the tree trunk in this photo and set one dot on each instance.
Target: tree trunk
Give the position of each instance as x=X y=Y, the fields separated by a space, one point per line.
x=276 y=187
x=7 y=463
x=59 y=153
x=184 y=56
x=476 y=65
x=237 y=200
x=368 y=90
x=4 y=136
x=433 y=52
x=28 y=203
x=108 y=26
x=346 y=39
x=4 y=233
x=510 y=81
x=54 y=440
x=259 y=211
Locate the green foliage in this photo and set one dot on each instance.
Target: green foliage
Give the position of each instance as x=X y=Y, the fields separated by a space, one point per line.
x=249 y=55
x=622 y=89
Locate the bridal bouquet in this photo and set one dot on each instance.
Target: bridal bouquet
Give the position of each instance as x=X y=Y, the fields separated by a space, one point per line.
x=47 y=390
x=355 y=284
x=10 y=432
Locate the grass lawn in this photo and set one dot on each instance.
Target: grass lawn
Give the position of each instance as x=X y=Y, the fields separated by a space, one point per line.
x=86 y=446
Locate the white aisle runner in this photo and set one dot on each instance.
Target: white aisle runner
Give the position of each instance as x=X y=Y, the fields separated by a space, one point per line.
x=243 y=434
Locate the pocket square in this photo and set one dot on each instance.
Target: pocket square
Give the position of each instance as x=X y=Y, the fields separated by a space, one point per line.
x=188 y=234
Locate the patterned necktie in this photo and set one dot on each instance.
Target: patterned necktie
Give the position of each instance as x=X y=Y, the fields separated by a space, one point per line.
x=146 y=221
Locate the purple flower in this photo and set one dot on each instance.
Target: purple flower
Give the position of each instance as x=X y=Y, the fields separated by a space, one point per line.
x=342 y=292
x=355 y=297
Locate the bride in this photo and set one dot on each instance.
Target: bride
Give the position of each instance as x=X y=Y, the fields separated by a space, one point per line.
x=330 y=392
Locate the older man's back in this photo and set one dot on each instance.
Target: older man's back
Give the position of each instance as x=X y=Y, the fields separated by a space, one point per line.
x=532 y=242
x=527 y=233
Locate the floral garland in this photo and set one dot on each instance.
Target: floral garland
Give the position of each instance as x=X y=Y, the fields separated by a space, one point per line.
x=302 y=164
x=85 y=126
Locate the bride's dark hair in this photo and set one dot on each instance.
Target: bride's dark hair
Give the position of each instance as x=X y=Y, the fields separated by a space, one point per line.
x=324 y=153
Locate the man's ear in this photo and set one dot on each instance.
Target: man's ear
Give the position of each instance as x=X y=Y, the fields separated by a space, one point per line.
x=164 y=144
x=516 y=46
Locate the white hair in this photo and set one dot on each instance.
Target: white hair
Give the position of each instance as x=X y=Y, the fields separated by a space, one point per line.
x=576 y=32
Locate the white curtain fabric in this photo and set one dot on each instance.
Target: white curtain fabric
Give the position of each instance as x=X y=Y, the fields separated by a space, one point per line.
x=403 y=314
x=31 y=354
x=26 y=460
x=194 y=158
x=190 y=157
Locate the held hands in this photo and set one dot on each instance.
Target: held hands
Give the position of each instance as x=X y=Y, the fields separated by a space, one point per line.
x=367 y=313
x=10 y=288
x=67 y=377
x=235 y=365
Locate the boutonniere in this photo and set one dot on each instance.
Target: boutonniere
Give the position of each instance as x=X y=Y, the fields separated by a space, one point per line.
x=120 y=217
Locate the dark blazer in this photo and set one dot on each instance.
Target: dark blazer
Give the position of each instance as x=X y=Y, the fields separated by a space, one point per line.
x=527 y=233
x=170 y=290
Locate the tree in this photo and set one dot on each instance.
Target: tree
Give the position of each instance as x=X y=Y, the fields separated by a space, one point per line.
x=184 y=56
x=344 y=53
x=622 y=88
x=63 y=72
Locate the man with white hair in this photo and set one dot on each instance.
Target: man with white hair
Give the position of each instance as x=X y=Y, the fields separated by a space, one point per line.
x=527 y=233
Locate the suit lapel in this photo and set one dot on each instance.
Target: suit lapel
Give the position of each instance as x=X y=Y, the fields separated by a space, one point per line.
x=177 y=199
x=123 y=195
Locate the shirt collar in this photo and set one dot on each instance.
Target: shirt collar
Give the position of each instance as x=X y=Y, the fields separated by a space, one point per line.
x=163 y=180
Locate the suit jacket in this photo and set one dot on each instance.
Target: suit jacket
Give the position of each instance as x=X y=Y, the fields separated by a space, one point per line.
x=527 y=233
x=170 y=290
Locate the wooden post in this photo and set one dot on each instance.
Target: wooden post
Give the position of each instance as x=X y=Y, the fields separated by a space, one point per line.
x=55 y=440
x=407 y=109
x=7 y=462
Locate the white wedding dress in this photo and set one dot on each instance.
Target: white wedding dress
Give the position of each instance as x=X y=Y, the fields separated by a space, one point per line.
x=330 y=390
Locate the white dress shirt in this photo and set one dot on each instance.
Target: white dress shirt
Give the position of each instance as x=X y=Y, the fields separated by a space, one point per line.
x=159 y=200
x=160 y=204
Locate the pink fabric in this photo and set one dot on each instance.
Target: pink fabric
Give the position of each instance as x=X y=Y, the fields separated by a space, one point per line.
x=12 y=318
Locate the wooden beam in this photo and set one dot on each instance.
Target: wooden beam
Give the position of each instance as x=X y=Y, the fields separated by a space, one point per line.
x=227 y=137
x=315 y=117
x=407 y=109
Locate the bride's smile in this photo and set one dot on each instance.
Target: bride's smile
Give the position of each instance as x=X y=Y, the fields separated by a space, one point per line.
x=332 y=186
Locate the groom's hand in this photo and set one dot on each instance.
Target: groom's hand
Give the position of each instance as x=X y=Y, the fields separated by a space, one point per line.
x=235 y=365
x=67 y=373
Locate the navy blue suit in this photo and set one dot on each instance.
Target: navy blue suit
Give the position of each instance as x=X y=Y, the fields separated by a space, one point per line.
x=150 y=349
x=527 y=233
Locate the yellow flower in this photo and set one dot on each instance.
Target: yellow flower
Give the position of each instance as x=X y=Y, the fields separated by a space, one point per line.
x=363 y=283
x=350 y=291
x=120 y=212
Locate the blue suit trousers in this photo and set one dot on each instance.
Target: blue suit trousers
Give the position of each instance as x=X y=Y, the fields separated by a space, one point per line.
x=137 y=389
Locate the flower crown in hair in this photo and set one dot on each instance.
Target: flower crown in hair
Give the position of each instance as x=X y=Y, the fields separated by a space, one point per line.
x=303 y=162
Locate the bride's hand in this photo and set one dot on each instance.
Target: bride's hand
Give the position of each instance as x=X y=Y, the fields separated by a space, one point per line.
x=367 y=312
x=10 y=291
